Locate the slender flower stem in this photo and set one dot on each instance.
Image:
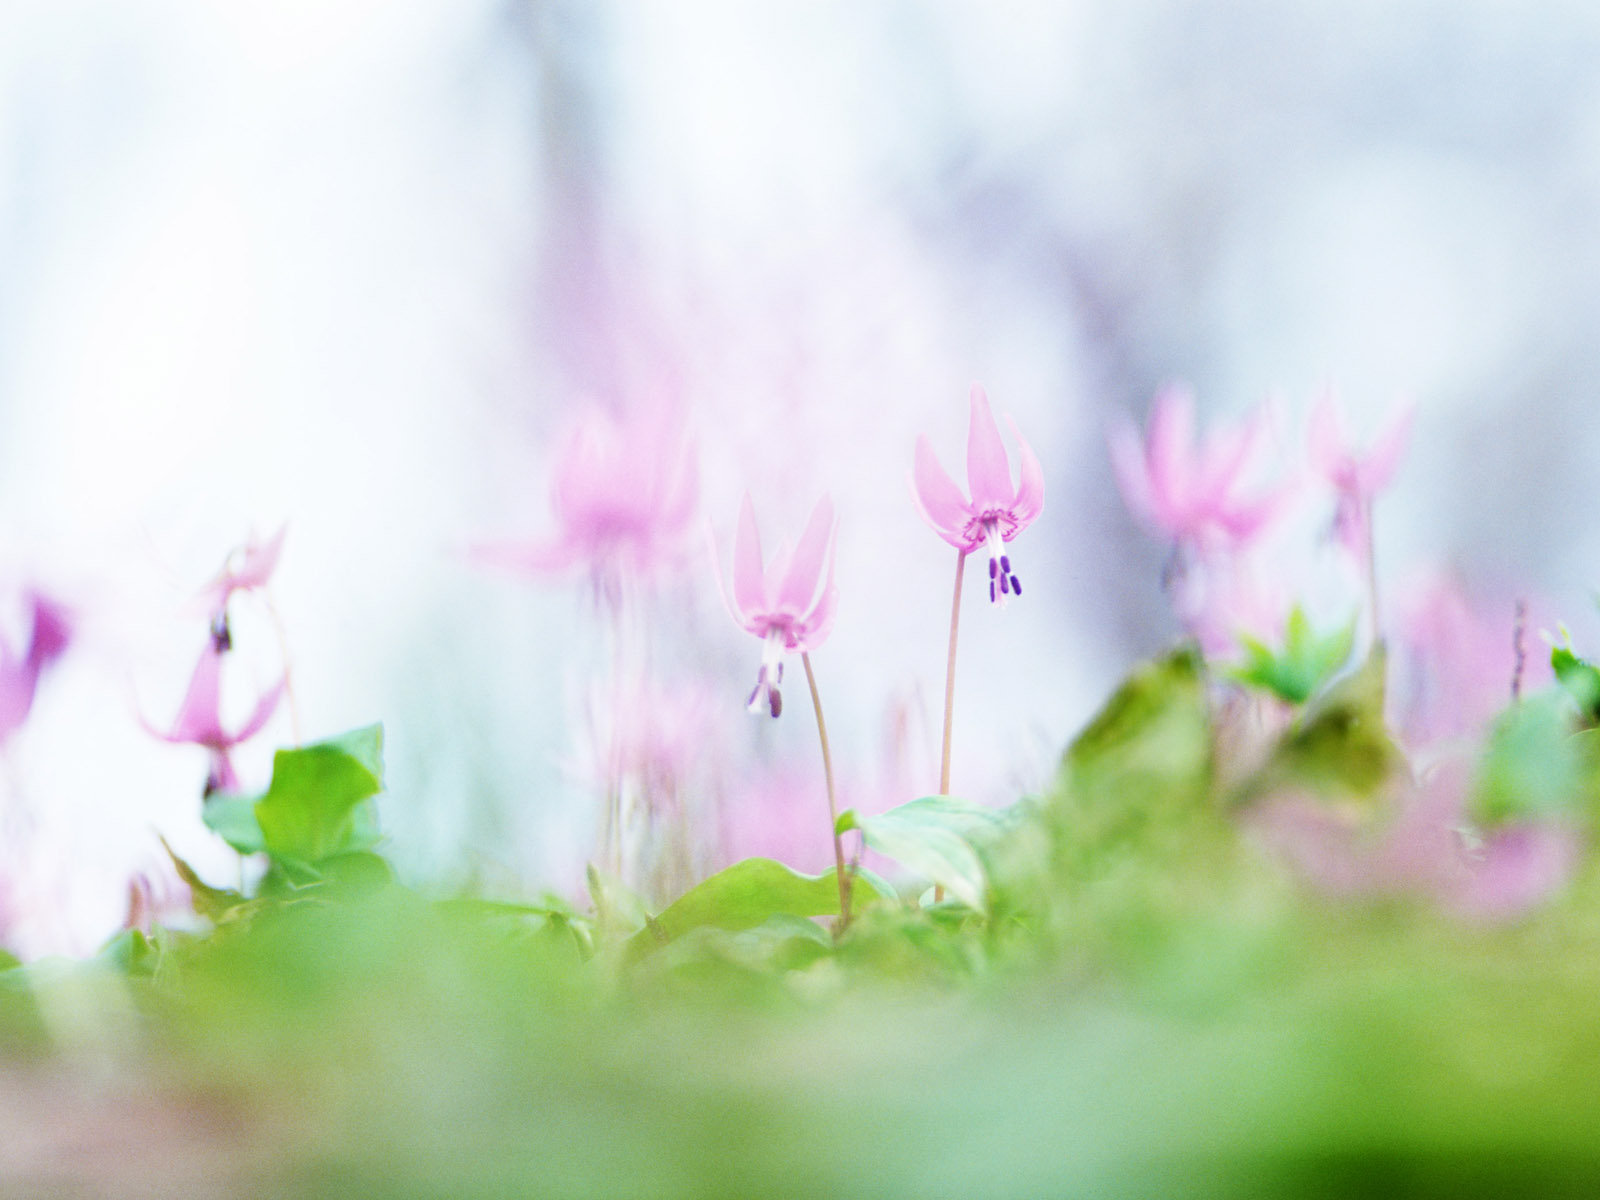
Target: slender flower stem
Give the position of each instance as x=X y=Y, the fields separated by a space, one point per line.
x=1371 y=551
x=833 y=808
x=950 y=677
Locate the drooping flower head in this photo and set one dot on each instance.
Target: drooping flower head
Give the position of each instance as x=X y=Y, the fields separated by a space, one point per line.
x=19 y=673
x=247 y=567
x=788 y=603
x=1355 y=478
x=199 y=719
x=625 y=492
x=997 y=510
x=1193 y=494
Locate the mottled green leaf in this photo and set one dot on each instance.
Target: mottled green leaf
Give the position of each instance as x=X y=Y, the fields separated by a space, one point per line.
x=309 y=813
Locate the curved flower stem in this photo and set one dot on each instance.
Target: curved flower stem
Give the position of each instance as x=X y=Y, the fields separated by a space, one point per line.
x=950 y=689
x=950 y=677
x=833 y=808
x=1371 y=552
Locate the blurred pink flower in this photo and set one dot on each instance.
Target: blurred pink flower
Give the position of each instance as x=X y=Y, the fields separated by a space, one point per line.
x=1355 y=478
x=19 y=674
x=199 y=719
x=625 y=492
x=1189 y=493
x=156 y=897
x=1423 y=850
x=997 y=511
x=249 y=566
x=788 y=604
x=1452 y=661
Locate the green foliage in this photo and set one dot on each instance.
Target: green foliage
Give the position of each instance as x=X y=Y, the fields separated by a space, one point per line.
x=1533 y=765
x=1339 y=745
x=1579 y=678
x=751 y=892
x=939 y=838
x=1307 y=661
x=312 y=810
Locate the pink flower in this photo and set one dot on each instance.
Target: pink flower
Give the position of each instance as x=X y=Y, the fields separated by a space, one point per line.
x=19 y=675
x=1356 y=478
x=199 y=719
x=1187 y=493
x=625 y=492
x=788 y=604
x=997 y=511
x=249 y=566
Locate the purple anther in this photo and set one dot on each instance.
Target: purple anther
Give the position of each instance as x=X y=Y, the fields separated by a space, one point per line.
x=1004 y=587
x=1016 y=586
x=993 y=567
x=776 y=701
x=221 y=635
x=991 y=591
x=1005 y=564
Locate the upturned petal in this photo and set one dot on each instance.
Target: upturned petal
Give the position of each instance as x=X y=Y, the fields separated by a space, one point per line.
x=749 y=583
x=1170 y=446
x=818 y=623
x=265 y=707
x=1132 y=472
x=198 y=716
x=1030 y=486
x=988 y=469
x=1382 y=460
x=799 y=587
x=938 y=498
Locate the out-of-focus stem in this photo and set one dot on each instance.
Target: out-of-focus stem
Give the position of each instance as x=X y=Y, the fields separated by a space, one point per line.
x=950 y=677
x=833 y=807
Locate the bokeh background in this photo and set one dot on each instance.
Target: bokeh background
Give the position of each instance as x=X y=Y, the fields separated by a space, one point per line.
x=355 y=266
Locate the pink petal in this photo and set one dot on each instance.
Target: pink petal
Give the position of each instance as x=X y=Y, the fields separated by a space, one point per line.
x=749 y=584
x=52 y=631
x=1382 y=460
x=1132 y=472
x=260 y=561
x=265 y=707
x=799 y=586
x=818 y=623
x=1029 y=501
x=1522 y=867
x=988 y=470
x=198 y=720
x=1325 y=437
x=938 y=498
x=1170 y=447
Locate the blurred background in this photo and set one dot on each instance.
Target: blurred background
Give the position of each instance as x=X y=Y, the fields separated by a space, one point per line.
x=357 y=266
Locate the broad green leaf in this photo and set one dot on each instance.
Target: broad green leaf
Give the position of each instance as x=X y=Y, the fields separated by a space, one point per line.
x=310 y=811
x=233 y=818
x=752 y=890
x=938 y=837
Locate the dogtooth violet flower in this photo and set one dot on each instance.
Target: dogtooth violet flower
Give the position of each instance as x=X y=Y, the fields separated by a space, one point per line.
x=997 y=511
x=19 y=673
x=1192 y=493
x=625 y=492
x=1355 y=478
x=199 y=719
x=247 y=567
x=788 y=603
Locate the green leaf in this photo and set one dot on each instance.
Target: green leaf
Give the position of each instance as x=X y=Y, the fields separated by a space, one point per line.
x=752 y=890
x=311 y=810
x=209 y=902
x=1579 y=678
x=1307 y=661
x=1340 y=743
x=939 y=837
x=233 y=818
x=1533 y=765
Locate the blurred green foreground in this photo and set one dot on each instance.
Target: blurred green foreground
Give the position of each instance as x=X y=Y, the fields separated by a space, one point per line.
x=1133 y=1000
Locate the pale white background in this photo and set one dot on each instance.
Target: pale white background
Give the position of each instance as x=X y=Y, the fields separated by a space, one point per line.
x=351 y=265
